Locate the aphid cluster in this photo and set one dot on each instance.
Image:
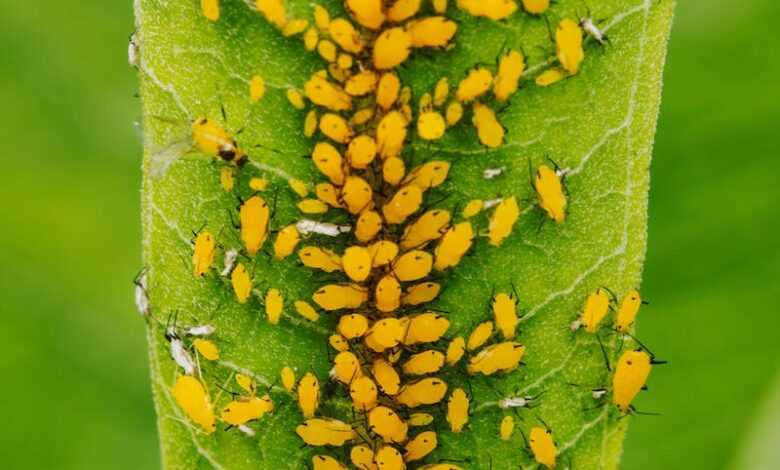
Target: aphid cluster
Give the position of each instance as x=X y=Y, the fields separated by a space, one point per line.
x=383 y=266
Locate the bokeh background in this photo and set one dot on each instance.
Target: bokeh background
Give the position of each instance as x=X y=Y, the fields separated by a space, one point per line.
x=74 y=390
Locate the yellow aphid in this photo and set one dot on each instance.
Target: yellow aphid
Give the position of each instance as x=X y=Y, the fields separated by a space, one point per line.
x=441 y=91
x=389 y=458
x=425 y=327
x=362 y=83
x=473 y=207
x=211 y=139
x=630 y=377
x=345 y=35
x=628 y=310
x=455 y=243
x=328 y=160
x=536 y=7
x=503 y=220
x=393 y=170
x=327 y=50
x=285 y=242
x=501 y=357
x=428 y=175
x=244 y=410
x=387 y=90
x=458 y=410
x=210 y=9
x=363 y=392
x=339 y=74
x=454 y=113
x=356 y=194
x=336 y=128
x=256 y=88
x=489 y=130
x=392 y=48
x=319 y=258
x=288 y=378
x=426 y=362
x=439 y=6
x=356 y=263
x=361 y=151
x=455 y=350
x=420 y=446
x=387 y=294
x=434 y=31
x=327 y=94
x=386 y=423
x=428 y=391
x=403 y=10
x=326 y=462
x=413 y=265
x=295 y=97
x=310 y=39
x=405 y=202
x=274 y=11
x=310 y=123
x=203 y=253
x=550 y=76
x=568 y=45
x=299 y=187
x=226 y=178
x=368 y=13
x=476 y=84
x=206 y=348
x=246 y=383
x=352 y=326
x=507 y=428
x=338 y=342
x=258 y=184
x=361 y=116
x=431 y=125
x=480 y=335
x=362 y=457
x=328 y=194
x=321 y=17
x=305 y=310
x=505 y=314
x=429 y=226
x=596 y=308
x=390 y=134
x=345 y=61
x=368 y=225
x=492 y=9
x=386 y=377
x=542 y=446
x=274 y=302
x=510 y=70
x=193 y=399
x=421 y=293
x=384 y=334
x=308 y=394
x=420 y=419
x=340 y=296
x=241 y=282
x=440 y=466
x=312 y=206
x=325 y=432
x=296 y=26
x=549 y=190
x=425 y=102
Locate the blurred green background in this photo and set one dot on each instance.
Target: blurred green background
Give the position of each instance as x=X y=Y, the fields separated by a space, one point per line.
x=75 y=391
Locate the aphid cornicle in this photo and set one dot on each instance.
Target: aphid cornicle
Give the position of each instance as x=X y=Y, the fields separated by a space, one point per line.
x=325 y=432
x=629 y=307
x=386 y=423
x=254 y=215
x=420 y=446
x=542 y=446
x=203 y=253
x=308 y=394
x=458 y=410
x=192 y=397
x=241 y=282
x=630 y=377
x=549 y=190
x=504 y=308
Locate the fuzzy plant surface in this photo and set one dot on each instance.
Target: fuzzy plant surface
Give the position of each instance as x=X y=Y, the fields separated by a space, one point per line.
x=598 y=124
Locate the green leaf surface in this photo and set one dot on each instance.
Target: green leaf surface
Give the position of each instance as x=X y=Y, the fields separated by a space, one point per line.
x=600 y=124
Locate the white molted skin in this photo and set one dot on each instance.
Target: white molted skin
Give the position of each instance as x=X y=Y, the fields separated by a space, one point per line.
x=182 y=357
x=307 y=226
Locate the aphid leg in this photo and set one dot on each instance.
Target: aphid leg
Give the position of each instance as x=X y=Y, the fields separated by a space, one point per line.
x=603 y=352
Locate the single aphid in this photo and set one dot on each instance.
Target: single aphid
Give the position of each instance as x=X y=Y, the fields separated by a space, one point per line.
x=362 y=83
x=206 y=348
x=550 y=76
x=493 y=9
x=141 y=293
x=327 y=94
x=428 y=175
x=503 y=220
x=455 y=243
x=305 y=310
x=423 y=363
x=327 y=50
x=227 y=178
x=340 y=296
x=295 y=97
x=362 y=457
x=630 y=377
x=254 y=215
x=596 y=308
x=363 y=392
x=384 y=334
x=629 y=307
x=455 y=350
x=246 y=409
x=402 y=10
x=326 y=462
x=310 y=39
x=501 y=357
x=440 y=6
x=473 y=207
x=307 y=227
x=319 y=258
x=288 y=378
x=310 y=123
x=433 y=31
x=203 y=253
x=429 y=226
x=241 y=282
x=428 y=391
x=458 y=410
x=356 y=194
x=295 y=27
x=431 y=125
x=550 y=193
x=192 y=397
x=312 y=206
x=405 y=202
x=383 y=252
x=489 y=130
x=568 y=45
x=256 y=88
x=286 y=241
x=389 y=458
x=454 y=113
x=338 y=342
x=321 y=17
x=387 y=294
x=325 y=431
x=361 y=152
x=386 y=423
x=386 y=376
x=390 y=134
x=476 y=84
x=274 y=302
x=258 y=184
x=246 y=383
x=356 y=263
x=387 y=90
x=426 y=327
x=420 y=419
x=369 y=13
x=421 y=293
x=507 y=428
x=328 y=160
x=420 y=446
x=542 y=446
x=335 y=128
x=413 y=265
x=210 y=9
x=308 y=395
x=391 y=48
x=212 y=139
x=479 y=335
x=368 y=225
x=273 y=11
x=536 y=7
x=504 y=308
x=352 y=326
x=345 y=35
x=393 y=170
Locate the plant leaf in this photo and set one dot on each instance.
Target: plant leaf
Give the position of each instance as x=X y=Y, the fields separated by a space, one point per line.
x=600 y=124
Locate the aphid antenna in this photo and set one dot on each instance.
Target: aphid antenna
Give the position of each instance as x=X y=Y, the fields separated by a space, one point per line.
x=642 y=346
x=603 y=352
x=549 y=28
x=610 y=292
x=539 y=418
x=633 y=411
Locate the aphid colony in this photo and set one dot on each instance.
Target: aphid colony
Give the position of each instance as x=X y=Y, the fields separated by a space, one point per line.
x=388 y=348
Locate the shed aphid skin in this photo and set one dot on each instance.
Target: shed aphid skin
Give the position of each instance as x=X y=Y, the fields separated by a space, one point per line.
x=542 y=446
x=133 y=50
x=516 y=401
x=503 y=220
x=308 y=395
x=241 y=282
x=389 y=458
x=628 y=310
x=490 y=173
x=550 y=192
x=428 y=391
x=204 y=247
x=326 y=462
x=504 y=308
x=200 y=330
x=141 y=293
x=180 y=355
x=192 y=397
x=568 y=43
x=536 y=7
x=596 y=308
x=489 y=129
x=325 y=431
x=458 y=410
x=254 y=215
x=479 y=336
x=420 y=446
x=229 y=262
x=386 y=423
x=308 y=227
x=288 y=378
x=274 y=303
x=591 y=29
x=455 y=350
x=305 y=310
x=502 y=357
